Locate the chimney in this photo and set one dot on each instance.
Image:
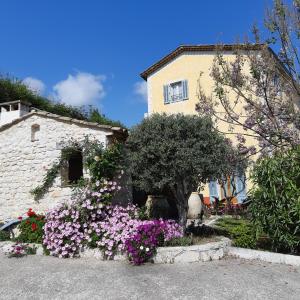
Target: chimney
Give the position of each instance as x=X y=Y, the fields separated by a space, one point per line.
x=12 y=110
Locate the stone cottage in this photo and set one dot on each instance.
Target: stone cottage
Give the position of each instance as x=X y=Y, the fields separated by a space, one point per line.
x=30 y=142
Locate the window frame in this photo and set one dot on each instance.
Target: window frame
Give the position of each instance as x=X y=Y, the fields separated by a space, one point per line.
x=168 y=99
x=65 y=172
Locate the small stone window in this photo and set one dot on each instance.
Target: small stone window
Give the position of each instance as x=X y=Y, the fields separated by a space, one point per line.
x=14 y=107
x=35 y=128
x=72 y=170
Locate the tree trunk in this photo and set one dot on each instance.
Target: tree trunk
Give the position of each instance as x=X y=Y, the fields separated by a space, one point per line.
x=181 y=199
x=182 y=212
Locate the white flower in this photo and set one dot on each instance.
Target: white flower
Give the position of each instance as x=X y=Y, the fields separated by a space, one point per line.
x=97 y=183
x=147 y=249
x=141 y=248
x=96 y=158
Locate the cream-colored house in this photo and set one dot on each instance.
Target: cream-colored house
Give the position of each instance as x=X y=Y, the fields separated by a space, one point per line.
x=173 y=85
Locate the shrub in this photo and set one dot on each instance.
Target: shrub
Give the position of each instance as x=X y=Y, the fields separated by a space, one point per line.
x=62 y=231
x=110 y=234
x=4 y=235
x=240 y=231
x=20 y=250
x=89 y=220
x=31 y=229
x=142 y=245
x=275 y=206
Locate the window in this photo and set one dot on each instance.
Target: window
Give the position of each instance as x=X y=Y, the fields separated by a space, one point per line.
x=240 y=182
x=35 y=128
x=176 y=91
x=234 y=187
x=213 y=190
x=72 y=169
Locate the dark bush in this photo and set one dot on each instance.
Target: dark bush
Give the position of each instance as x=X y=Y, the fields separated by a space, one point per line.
x=4 y=235
x=275 y=205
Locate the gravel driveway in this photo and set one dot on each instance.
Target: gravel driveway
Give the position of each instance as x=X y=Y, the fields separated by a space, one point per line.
x=40 y=277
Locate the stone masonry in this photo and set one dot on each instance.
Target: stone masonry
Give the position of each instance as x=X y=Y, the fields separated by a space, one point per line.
x=24 y=161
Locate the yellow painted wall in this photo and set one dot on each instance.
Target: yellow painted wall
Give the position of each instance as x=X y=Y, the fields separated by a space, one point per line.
x=187 y=66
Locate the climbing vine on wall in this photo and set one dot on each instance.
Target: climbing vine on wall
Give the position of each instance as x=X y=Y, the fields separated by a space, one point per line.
x=100 y=163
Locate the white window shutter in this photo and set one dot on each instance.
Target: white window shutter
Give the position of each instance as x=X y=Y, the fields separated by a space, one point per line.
x=166 y=94
x=185 y=89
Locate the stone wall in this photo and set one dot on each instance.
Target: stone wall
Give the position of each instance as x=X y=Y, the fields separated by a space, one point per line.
x=24 y=163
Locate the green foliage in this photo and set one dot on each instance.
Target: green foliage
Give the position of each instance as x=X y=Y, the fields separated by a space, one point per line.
x=241 y=231
x=96 y=116
x=31 y=229
x=275 y=207
x=94 y=238
x=52 y=173
x=4 y=235
x=31 y=250
x=13 y=89
x=48 y=180
x=101 y=163
x=172 y=154
x=142 y=212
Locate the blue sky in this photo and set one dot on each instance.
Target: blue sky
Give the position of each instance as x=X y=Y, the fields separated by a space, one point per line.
x=92 y=51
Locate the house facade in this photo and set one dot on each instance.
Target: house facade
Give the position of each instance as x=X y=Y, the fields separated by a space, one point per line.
x=173 y=86
x=30 y=142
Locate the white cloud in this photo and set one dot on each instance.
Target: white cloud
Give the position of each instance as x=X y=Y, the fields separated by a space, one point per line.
x=80 y=89
x=35 y=85
x=140 y=89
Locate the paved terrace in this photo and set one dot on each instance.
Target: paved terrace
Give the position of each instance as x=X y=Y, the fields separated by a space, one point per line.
x=36 y=277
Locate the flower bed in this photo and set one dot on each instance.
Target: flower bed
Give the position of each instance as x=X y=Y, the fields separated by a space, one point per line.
x=91 y=221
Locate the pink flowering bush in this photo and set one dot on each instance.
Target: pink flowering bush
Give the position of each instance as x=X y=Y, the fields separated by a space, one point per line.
x=67 y=225
x=149 y=235
x=62 y=231
x=111 y=233
x=89 y=221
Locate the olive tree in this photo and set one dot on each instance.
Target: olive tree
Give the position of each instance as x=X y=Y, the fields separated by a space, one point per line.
x=173 y=154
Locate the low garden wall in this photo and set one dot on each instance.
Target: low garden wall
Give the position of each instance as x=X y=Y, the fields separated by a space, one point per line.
x=182 y=254
x=264 y=256
x=186 y=254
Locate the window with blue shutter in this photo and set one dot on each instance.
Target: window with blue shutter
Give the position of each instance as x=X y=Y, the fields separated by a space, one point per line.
x=213 y=190
x=241 y=188
x=175 y=91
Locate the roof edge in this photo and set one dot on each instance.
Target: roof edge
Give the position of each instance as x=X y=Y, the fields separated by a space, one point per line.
x=114 y=129
x=194 y=48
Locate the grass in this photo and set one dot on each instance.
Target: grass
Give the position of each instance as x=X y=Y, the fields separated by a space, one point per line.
x=239 y=230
